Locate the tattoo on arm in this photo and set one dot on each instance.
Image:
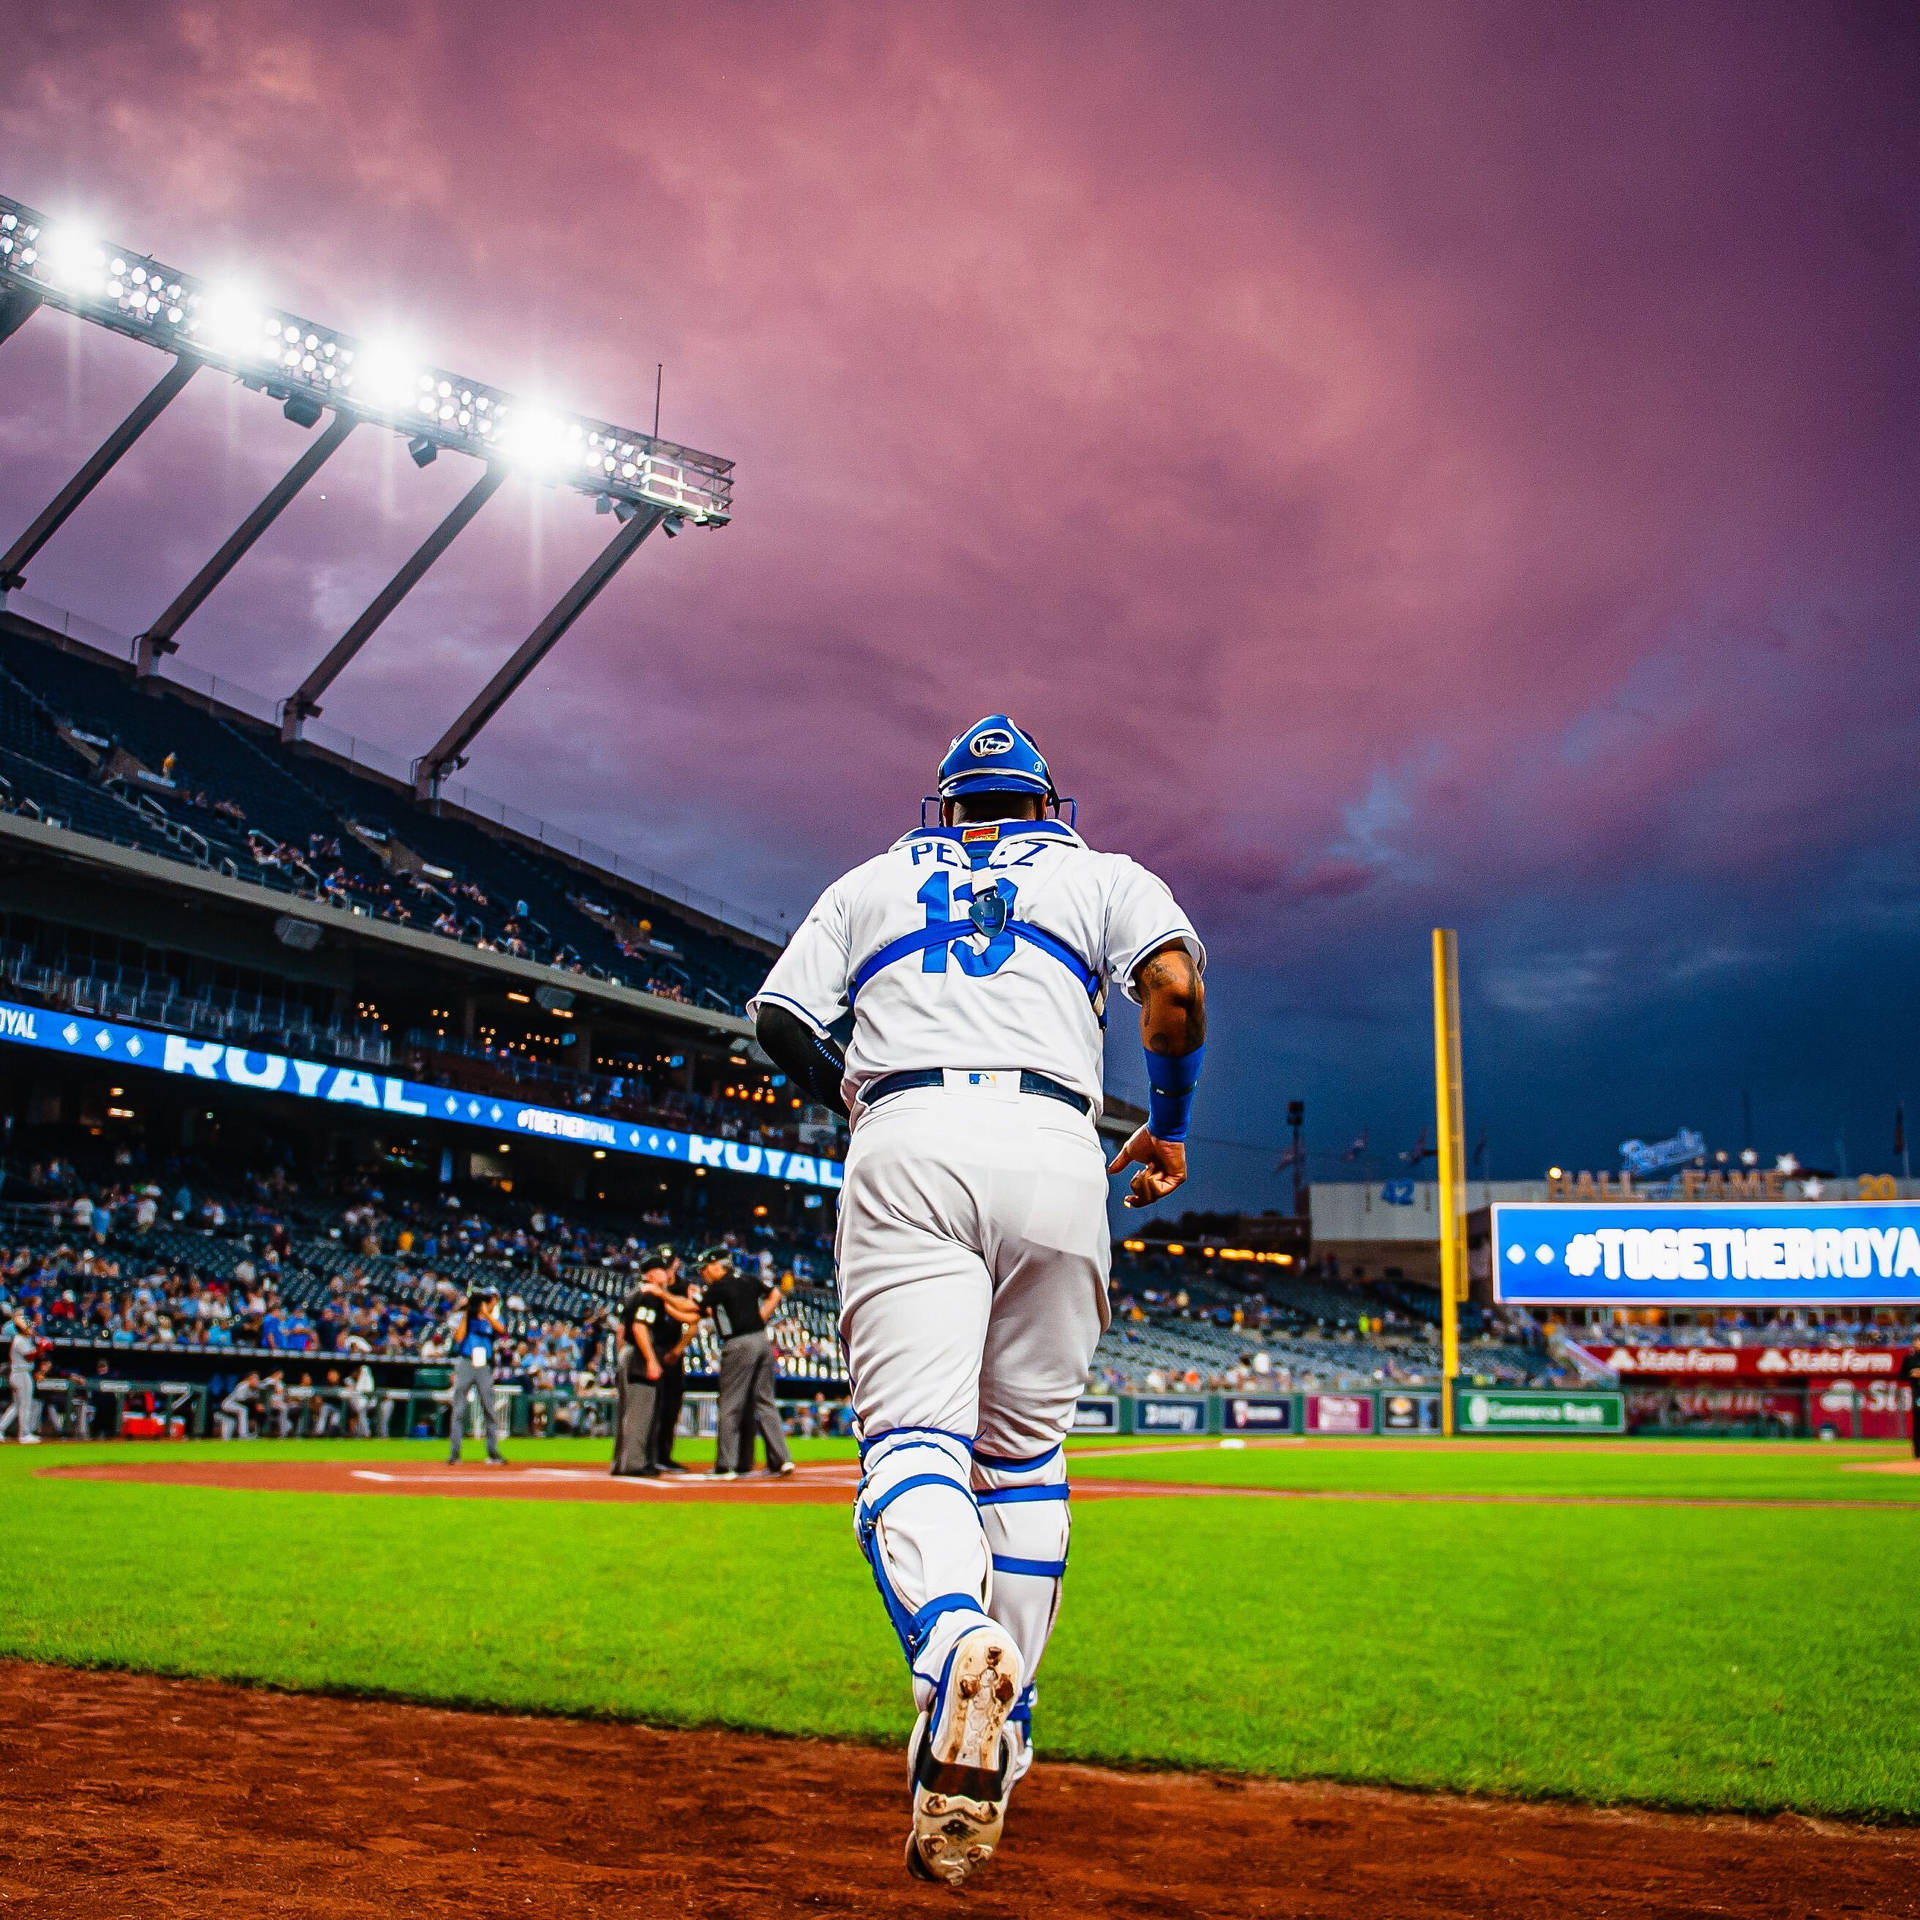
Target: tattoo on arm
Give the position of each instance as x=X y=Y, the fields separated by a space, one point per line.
x=1173 y=1002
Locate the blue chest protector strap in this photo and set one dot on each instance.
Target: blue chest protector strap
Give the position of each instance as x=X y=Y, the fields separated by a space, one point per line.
x=943 y=932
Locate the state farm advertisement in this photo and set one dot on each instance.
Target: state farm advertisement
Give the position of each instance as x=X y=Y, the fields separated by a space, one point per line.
x=1860 y=1409
x=1682 y=1364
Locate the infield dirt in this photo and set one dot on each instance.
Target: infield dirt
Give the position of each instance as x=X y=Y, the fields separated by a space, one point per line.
x=124 y=1794
x=824 y=1483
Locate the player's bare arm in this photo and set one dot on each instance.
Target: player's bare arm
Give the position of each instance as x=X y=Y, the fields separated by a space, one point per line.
x=1173 y=1028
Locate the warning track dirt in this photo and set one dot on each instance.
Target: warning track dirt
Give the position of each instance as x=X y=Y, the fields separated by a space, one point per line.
x=122 y=1793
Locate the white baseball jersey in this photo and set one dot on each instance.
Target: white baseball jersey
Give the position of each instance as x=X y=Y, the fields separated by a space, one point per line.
x=990 y=946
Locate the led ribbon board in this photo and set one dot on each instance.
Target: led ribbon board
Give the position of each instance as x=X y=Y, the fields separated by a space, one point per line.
x=213 y=1060
x=64 y=265
x=1709 y=1253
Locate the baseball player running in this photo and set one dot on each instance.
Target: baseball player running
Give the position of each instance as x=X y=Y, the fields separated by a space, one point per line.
x=971 y=963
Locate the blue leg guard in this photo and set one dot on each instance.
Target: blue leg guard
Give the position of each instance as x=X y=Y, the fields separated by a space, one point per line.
x=919 y=1527
x=1025 y=1513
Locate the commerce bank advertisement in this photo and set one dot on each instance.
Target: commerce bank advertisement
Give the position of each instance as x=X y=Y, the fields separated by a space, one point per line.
x=1785 y=1253
x=82 y=1037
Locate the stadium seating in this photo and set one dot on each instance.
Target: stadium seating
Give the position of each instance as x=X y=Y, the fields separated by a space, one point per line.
x=140 y=765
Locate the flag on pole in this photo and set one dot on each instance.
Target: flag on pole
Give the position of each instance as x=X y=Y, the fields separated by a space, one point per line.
x=1359 y=1146
x=1479 y=1151
x=1289 y=1157
x=1421 y=1151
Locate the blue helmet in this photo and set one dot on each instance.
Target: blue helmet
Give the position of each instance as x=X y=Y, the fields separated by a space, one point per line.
x=994 y=756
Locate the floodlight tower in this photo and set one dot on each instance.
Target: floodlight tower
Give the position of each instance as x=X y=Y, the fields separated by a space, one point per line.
x=315 y=371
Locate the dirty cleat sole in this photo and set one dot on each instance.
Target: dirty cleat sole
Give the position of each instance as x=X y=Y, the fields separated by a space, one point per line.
x=960 y=1762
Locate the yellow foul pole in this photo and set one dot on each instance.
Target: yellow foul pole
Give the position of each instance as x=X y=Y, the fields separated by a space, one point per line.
x=1447 y=1101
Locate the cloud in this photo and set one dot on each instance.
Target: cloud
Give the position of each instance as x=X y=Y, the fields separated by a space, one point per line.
x=1403 y=462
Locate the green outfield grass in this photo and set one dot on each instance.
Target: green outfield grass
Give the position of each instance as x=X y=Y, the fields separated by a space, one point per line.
x=1750 y=1656
x=1565 y=1468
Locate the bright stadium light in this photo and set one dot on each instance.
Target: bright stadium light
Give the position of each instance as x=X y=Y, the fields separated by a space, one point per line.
x=228 y=321
x=74 y=260
x=295 y=360
x=383 y=373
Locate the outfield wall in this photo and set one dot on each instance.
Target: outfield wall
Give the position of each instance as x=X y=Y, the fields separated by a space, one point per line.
x=1390 y=1411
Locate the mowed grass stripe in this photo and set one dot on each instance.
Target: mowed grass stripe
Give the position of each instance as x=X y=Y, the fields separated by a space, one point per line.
x=1569 y=1469
x=1712 y=1658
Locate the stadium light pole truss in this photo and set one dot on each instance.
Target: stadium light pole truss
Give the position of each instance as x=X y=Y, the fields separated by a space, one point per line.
x=304 y=702
x=105 y=457
x=313 y=369
x=16 y=309
x=1449 y=1112
x=449 y=752
x=158 y=640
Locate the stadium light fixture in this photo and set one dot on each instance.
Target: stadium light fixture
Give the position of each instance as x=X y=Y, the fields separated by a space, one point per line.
x=298 y=361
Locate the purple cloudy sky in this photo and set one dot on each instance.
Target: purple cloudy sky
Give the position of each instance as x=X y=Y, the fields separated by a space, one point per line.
x=1407 y=464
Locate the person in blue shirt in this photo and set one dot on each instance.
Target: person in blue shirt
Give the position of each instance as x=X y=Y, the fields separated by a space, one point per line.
x=479 y=1334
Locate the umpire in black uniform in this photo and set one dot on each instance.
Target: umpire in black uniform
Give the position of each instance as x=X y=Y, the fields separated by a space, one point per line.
x=740 y=1309
x=683 y=1317
x=644 y=1329
x=1910 y=1373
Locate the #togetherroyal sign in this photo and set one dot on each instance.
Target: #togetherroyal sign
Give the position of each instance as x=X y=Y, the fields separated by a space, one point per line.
x=1748 y=1363
x=1787 y=1253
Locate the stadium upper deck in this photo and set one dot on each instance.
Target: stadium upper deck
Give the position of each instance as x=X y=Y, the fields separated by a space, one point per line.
x=147 y=765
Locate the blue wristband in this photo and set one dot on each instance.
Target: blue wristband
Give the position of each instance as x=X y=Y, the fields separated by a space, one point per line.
x=1171 y=1079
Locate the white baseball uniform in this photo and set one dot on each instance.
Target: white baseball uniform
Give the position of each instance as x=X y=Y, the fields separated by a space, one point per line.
x=973 y=1245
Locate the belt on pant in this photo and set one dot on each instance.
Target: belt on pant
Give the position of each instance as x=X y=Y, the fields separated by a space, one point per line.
x=1030 y=1082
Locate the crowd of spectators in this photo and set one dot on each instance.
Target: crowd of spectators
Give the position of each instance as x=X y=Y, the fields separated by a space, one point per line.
x=1752 y=1327
x=271 y=1274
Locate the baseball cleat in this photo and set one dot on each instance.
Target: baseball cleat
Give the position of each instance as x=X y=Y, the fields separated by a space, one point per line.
x=960 y=1764
x=1020 y=1753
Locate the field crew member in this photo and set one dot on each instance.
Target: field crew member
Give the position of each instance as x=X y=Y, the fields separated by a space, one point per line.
x=672 y=1390
x=643 y=1320
x=740 y=1309
x=976 y=959
x=22 y=1346
x=478 y=1334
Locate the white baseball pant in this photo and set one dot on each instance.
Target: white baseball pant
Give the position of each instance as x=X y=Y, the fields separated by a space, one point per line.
x=20 y=1410
x=973 y=1259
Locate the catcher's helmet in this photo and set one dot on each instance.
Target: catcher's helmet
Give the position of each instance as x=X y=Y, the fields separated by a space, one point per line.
x=994 y=756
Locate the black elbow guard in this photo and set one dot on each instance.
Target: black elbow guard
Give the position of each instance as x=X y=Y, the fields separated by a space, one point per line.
x=813 y=1062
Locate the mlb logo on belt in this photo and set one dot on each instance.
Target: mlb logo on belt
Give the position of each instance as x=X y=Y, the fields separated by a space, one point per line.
x=969 y=834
